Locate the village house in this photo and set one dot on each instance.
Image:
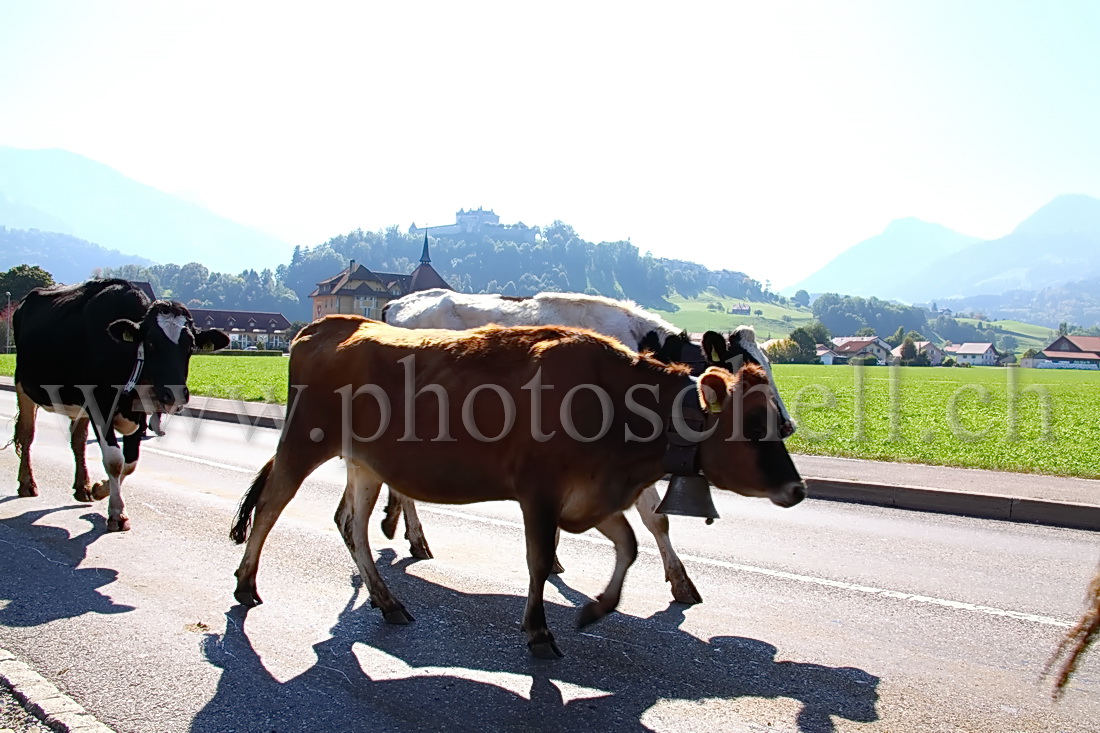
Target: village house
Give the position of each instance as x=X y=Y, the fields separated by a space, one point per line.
x=850 y=347
x=935 y=353
x=246 y=329
x=974 y=353
x=828 y=356
x=1069 y=352
x=360 y=291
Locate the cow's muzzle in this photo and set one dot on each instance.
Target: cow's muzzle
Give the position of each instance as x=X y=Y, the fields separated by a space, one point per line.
x=789 y=495
x=173 y=396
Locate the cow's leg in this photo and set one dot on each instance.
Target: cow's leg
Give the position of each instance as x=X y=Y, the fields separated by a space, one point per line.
x=78 y=440
x=24 y=435
x=617 y=529
x=113 y=464
x=271 y=490
x=683 y=590
x=540 y=525
x=393 y=513
x=352 y=517
x=414 y=530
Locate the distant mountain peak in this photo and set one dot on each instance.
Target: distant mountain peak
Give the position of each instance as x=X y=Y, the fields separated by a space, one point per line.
x=1071 y=213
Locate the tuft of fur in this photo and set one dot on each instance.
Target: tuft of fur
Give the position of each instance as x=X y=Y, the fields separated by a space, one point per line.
x=243 y=523
x=1077 y=640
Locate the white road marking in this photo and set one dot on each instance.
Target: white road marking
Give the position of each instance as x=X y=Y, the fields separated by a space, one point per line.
x=781 y=574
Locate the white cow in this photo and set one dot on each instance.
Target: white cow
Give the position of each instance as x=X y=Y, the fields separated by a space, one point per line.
x=620 y=319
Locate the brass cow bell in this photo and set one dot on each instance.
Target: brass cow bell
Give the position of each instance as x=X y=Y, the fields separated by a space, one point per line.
x=689 y=496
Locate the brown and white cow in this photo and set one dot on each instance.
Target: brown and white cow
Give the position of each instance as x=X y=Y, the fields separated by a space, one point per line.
x=623 y=320
x=570 y=424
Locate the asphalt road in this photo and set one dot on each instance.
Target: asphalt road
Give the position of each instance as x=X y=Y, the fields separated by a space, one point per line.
x=822 y=617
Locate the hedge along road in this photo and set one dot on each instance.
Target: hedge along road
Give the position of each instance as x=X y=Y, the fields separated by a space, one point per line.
x=1002 y=419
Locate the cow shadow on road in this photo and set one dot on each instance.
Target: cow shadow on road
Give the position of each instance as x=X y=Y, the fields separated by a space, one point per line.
x=40 y=576
x=463 y=666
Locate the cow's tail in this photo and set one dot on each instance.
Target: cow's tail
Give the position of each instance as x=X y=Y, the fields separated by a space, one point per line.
x=239 y=533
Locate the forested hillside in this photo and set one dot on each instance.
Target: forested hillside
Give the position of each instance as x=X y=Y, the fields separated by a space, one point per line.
x=1075 y=302
x=195 y=285
x=560 y=261
x=65 y=257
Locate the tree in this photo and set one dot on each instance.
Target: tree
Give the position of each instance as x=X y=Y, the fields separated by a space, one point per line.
x=1030 y=354
x=802 y=298
x=22 y=279
x=783 y=352
x=866 y=331
x=758 y=312
x=1009 y=343
x=897 y=337
x=908 y=350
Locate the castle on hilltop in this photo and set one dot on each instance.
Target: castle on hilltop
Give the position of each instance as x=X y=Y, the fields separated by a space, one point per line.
x=478 y=221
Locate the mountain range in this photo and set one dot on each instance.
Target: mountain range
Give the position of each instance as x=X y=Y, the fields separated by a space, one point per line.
x=916 y=261
x=60 y=191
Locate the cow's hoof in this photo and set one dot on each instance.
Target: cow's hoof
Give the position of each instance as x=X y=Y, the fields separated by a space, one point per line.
x=398 y=615
x=591 y=613
x=420 y=550
x=121 y=524
x=545 y=649
x=101 y=490
x=684 y=592
x=389 y=523
x=247 y=597
x=83 y=494
x=558 y=567
x=28 y=490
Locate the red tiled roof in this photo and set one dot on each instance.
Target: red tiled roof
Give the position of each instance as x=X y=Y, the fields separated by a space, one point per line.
x=1085 y=343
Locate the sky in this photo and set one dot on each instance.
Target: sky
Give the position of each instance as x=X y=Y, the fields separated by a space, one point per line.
x=761 y=137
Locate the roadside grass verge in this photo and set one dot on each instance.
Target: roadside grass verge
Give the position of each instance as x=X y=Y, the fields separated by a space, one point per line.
x=1024 y=420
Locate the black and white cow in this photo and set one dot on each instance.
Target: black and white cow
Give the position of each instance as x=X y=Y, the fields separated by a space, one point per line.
x=86 y=351
x=623 y=320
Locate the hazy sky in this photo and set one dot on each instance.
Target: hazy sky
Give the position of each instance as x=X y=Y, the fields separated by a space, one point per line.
x=760 y=136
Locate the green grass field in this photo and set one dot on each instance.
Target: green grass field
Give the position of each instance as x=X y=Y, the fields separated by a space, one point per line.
x=1044 y=421
x=694 y=317
x=952 y=417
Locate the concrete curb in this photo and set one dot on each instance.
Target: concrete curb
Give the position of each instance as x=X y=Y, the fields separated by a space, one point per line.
x=43 y=700
x=941 y=501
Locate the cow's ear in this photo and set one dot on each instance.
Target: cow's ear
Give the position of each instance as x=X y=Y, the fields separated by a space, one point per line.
x=713 y=390
x=715 y=350
x=211 y=341
x=124 y=330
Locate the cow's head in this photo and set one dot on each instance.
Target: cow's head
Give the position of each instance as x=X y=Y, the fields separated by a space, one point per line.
x=741 y=348
x=743 y=454
x=168 y=336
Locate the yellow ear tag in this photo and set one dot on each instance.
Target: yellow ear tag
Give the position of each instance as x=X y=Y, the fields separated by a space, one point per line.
x=127 y=336
x=207 y=348
x=714 y=407
x=714 y=354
